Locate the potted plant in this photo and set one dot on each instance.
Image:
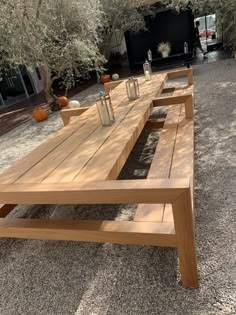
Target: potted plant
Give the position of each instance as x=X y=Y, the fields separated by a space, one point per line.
x=164 y=48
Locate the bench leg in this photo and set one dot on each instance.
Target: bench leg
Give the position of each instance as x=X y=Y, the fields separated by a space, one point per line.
x=184 y=228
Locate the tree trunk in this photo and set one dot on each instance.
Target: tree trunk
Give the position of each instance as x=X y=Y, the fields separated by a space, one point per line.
x=50 y=96
x=107 y=41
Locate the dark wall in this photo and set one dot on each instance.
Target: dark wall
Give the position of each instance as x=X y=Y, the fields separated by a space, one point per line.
x=165 y=26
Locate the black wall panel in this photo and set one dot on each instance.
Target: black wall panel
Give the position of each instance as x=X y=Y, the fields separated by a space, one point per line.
x=168 y=25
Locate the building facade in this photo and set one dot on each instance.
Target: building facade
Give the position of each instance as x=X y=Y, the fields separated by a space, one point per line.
x=19 y=84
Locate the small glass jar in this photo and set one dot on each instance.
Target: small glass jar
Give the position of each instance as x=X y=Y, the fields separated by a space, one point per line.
x=132 y=88
x=147 y=70
x=105 y=110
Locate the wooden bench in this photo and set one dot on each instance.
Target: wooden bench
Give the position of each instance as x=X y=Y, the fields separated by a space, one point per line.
x=173 y=159
x=164 y=216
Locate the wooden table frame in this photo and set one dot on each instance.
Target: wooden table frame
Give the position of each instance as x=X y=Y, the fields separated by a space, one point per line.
x=176 y=192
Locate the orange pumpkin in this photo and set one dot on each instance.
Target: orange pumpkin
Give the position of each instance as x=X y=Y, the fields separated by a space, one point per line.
x=40 y=114
x=105 y=78
x=63 y=101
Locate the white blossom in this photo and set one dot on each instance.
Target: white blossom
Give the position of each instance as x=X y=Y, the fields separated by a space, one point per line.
x=60 y=36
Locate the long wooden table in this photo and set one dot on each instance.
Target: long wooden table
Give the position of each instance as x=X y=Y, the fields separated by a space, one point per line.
x=80 y=165
x=82 y=151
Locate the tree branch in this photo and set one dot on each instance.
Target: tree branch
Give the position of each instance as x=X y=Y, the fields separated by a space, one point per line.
x=38 y=8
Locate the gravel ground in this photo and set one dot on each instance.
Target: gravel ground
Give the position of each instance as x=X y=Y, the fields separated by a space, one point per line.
x=63 y=278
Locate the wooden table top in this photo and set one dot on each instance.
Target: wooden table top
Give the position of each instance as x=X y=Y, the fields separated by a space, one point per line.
x=86 y=151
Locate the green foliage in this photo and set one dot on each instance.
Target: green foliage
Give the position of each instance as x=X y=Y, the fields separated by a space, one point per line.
x=65 y=38
x=61 y=36
x=121 y=16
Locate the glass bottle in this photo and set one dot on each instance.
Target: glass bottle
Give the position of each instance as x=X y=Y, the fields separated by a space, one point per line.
x=147 y=70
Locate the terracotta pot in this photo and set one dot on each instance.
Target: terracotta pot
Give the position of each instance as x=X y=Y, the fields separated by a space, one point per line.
x=40 y=114
x=104 y=78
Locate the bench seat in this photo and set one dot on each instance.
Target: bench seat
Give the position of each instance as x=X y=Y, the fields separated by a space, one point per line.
x=169 y=185
x=173 y=158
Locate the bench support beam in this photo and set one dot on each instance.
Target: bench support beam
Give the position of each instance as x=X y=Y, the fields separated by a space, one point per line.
x=182 y=73
x=101 y=192
x=66 y=114
x=187 y=100
x=118 y=232
x=108 y=86
x=184 y=228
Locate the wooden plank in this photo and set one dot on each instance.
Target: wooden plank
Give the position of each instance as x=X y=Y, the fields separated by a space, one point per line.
x=171 y=100
x=181 y=73
x=68 y=148
x=161 y=164
x=183 y=220
x=187 y=99
x=179 y=90
x=5 y=210
x=70 y=167
x=189 y=112
x=102 y=192
x=55 y=158
x=107 y=163
x=66 y=114
x=66 y=160
x=22 y=166
x=118 y=146
x=111 y=85
x=120 y=232
x=183 y=91
x=182 y=165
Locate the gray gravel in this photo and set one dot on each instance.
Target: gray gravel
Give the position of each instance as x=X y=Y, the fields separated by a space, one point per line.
x=64 y=278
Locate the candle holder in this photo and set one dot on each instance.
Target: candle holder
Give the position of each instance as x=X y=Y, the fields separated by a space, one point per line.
x=132 y=88
x=147 y=70
x=105 y=110
x=149 y=55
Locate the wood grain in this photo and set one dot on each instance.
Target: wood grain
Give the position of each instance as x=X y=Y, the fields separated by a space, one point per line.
x=103 y=192
x=161 y=164
x=182 y=164
x=120 y=232
x=108 y=86
x=30 y=160
x=108 y=161
x=181 y=73
x=184 y=227
x=66 y=114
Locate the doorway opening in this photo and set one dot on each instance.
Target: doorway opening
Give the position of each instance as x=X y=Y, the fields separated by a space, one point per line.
x=210 y=32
